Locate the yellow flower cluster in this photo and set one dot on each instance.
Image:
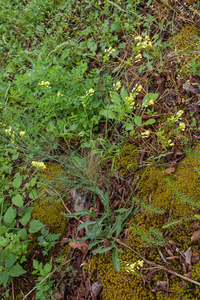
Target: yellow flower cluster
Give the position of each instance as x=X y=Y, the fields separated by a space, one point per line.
x=38 y=165
x=182 y=126
x=59 y=94
x=130 y=101
x=22 y=133
x=45 y=83
x=109 y=51
x=170 y=143
x=143 y=43
x=117 y=85
x=136 y=265
x=145 y=134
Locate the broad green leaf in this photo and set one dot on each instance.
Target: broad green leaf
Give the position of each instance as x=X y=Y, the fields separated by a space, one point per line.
x=116 y=98
x=33 y=194
x=149 y=122
x=4 y=276
x=23 y=234
x=35 y=226
x=16 y=271
x=129 y=126
x=35 y=264
x=115 y=259
x=196 y=216
x=17 y=181
x=11 y=260
x=149 y=66
x=47 y=268
x=33 y=181
x=123 y=93
x=108 y=114
x=138 y=120
x=24 y=220
x=3 y=229
x=10 y=215
x=17 y=200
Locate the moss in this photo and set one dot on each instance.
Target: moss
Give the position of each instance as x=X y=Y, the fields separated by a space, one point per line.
x=127 y=160
x=154 y=188
x=185 y=45
x=49 y=210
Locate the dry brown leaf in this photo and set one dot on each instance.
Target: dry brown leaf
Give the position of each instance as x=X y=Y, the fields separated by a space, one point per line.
x=96 y=288
x=79 y=200
x=170 y=170
x=195 y=226
x=188 y=256
x=82 y=246
x=163 y=285
x=195 y=236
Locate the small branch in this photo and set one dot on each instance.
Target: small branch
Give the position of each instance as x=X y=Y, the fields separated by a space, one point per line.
x=156 y=265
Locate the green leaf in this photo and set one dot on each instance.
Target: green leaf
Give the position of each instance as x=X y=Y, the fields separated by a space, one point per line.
x=116 y=98
x=33 y=194
x=138 y=120
x=149 y=66
x=107 y=113
x=33 y=181
x=101 y=250
x=115 y=259
x=4 y=276
x=24 y=220
x=47 y=268
x=17 y=181
x=149 y=122
x=129 y=126
x=3 y=229
x=23 y=234
x=123 y=93
x=35 y=264
x=17 y=200
x=10 y=215
x=10 y=262
x=16 y=271
x=35 y=226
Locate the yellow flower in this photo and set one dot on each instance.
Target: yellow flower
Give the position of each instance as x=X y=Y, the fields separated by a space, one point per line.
x=59 y=94
x=182 y=126
x=179 y=113
x=117 y=85
x=38 y=165
x=145 y=134
x=22 y=133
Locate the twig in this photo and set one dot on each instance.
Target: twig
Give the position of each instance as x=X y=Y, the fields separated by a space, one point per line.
x=156 y=265
x=13 y=291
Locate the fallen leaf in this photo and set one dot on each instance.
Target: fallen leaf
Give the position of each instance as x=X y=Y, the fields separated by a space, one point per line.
x=163 y=285
x=170 y=170
x=195 y=258
x=79 y=200
x=96 y=288
x=182 y=283
x=195 y=236
x=179 y=100
x=195 y=226
x=82 y=246
x=188 y=256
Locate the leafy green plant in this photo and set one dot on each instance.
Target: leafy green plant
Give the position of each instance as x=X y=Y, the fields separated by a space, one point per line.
x=47 y=240
x=44 y=288
x=13 y=249
x=104 y=226
x=123 y=106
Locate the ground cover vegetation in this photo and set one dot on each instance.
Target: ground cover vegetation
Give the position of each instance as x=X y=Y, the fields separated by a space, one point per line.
x=100 y=164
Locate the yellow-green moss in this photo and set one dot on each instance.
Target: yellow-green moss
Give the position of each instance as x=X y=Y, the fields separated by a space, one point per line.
x=127 y=160
x=185 y=44
x=48 y=209
x=154 y=189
